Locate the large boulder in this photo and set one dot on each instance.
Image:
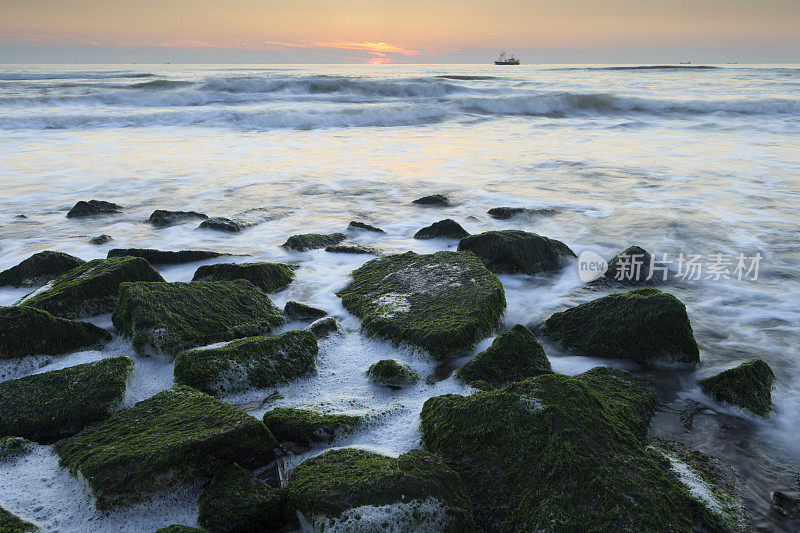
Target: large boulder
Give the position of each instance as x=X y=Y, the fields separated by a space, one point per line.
x=30 y=331
x=177 y=435
x=90 y=289
x=414 y=492
x=514 y=251
x=559 y=453
x=269 y=277
x=236 y=502
x=55 y=404
x=391 y=373
x=443 y=302
x=39 y=268
x=646 y=325
x=170 y=317
x=163 y=257
x=444 y=229
x=93 y=208
x=513 y=356
x=306 y=427
x=10 y=523
x=254 y=362
x=311 y=241
x=749 y=386
x=161 y=218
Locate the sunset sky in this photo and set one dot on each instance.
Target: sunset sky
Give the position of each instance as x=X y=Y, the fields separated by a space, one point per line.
x=400 y=31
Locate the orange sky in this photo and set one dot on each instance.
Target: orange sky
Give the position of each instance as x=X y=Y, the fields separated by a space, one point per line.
x=400 y=31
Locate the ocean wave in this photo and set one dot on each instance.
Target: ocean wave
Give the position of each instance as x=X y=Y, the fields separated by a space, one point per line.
x=644 y=67
x=26 y=76
x=159 y=84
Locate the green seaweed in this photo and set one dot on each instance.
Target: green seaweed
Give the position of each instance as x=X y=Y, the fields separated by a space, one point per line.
x=311 y=241
x=514 y=251
x=14 y=524
x=748 y=385
x=161 y=218
x=269 y=277
x=39 y=268
x=13 y=447
x=163 y=257
x=391 y=373
x=302 y=311
x=306 y=427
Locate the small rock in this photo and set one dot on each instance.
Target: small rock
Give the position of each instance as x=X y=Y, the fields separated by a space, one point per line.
x=39 y=268
x=269 y=277
x=162 y=257
x=306 y=427
x=301 y=311
x=20 y=216
x=392 y=374
x=93 y=208
x=788 y=503
x=354 y=249
x=749 y=385
x=434 y=200
x=362 y=225
x=444 y=229
x=504 y=213
x=324 y=327
x=162 y=218
x=515 y=251
x=311 y=241
x=225 y=224
x=13 y=447
x=10 y=523
x=101 y=239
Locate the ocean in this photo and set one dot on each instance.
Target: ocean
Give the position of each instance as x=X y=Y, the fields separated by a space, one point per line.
x=699 y=160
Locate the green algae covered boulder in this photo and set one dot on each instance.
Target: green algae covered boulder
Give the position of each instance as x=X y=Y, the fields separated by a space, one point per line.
x=253 y=362
x=162 y=218
x=165 y=257
x=300 y=311
x=516 y=251
x=513 y=356
x=444 y=229
x=13 y=447
x=558 y=453
x=55 y=404
x=29 y=331
x=391 y=373
x=436 y=200
x=10 y=523
x=749 y=386
x=177 y=435
x=269 y=277
x=170 y=317
x=306 y=427
x=414 y=492
x=39 y=268
x=311 y=241
x=90 y=289
x=645 y=325
x=236 y=502
x=443 y=302
x=93 y=208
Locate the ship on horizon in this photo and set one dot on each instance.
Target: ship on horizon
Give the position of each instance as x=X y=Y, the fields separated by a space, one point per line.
x=506 y=60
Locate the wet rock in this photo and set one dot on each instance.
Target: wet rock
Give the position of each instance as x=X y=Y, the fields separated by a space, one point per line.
x=101 y=239
x=645 y=325
x=630 y=267
x=269 y=277
x=225 y=224
x=253 y=362
x=29 y=331
x=20 y=216
x=325 y=327
x=176 y=528
x=443 y=302
x=301 y=311
x=235 y=501
x=515 y=251
x=93 y=208
x=13 y=447
x=788 y=503
x=560 y=453
x=39 y=268
x=354 y=249
x=444 y=229
x=434 y=200
x=311 y=241
x=306 y=427
x=170 y=317
x=162 y=257
x=177 y=435
x=414 y=492
x=55 y=404
x=161 y=218
x=10 y=523
x=392 y=374
x=90 y=289
x=749 y=386
x=504 y=213
x=355 y=225
x=513 y=356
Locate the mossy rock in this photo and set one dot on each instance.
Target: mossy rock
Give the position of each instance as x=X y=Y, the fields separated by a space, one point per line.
x=306 y=427
x=504 y=213
x=513 y=356
x=10 y=523
x=170 y=317
x=311 y=241
x=51 y=405
x=30 y=331
x=236 y=502
x=391 y=373
x=13 y=447
x=443 y=302
x=558 y=453
x=645 y=325
x=435 y=200
x=228 y=225
x=161 y=218
x=176 y=436
x=629 y=267
x=163 y=257
x=269 y=277
x=90 y=289
x=749 y=386
x=254 y=362
x=177 y=528
x=39 y=268
x=355 y=225
x=93 y=208
x=415 y=492
x=101 y=239
x=302 y=311
x=444 y=229
x=325 y=327
x=354 y=249
x=516 y=251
